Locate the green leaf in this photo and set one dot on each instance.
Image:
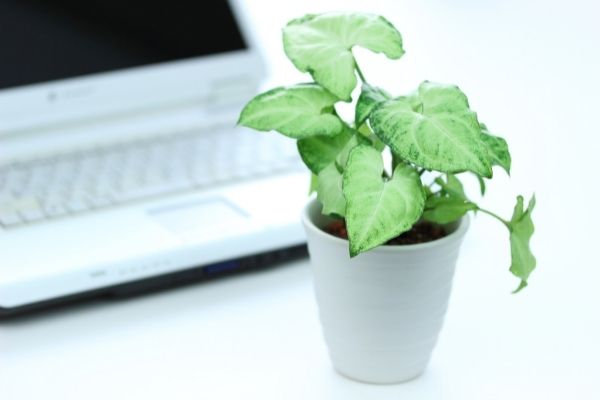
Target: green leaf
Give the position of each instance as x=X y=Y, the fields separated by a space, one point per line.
x=297 y=111
x=322 y=45
x=378 y=210
x=355 y=140
x=451 y=204
x=318 y=152
x=366 y=131
x=521 y=229
x=452 y=186
x=330 y=192
x=497 y=149
x=369 y=97
x=434 y=129
x=443 y=210
x=481 y=184
x=314 y=184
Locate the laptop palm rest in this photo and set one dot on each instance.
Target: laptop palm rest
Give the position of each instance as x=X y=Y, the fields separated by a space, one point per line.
x=208 y=218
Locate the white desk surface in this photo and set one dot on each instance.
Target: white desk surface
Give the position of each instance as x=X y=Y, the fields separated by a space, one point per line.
x=530 y=69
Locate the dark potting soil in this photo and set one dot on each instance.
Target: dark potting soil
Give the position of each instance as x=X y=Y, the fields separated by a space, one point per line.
x=421 y=232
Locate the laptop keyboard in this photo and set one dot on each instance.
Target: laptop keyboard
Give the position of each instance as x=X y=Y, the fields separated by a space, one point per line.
x=67 y=184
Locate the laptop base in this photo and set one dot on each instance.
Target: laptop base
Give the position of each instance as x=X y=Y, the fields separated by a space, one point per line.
x=187 y=276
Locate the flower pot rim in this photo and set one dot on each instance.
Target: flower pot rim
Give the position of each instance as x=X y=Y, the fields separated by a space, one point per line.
x=456 y=235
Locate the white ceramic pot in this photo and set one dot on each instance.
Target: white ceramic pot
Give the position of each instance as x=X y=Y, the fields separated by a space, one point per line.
x=381 y=311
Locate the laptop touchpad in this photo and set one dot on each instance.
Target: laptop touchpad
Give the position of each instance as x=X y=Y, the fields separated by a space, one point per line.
x=204 y=218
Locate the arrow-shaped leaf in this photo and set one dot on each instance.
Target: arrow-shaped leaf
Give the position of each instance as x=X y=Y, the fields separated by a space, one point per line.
x=378 y=210
x=322 y=45
x=434 y=129
x=297 y=111
x=521 y=229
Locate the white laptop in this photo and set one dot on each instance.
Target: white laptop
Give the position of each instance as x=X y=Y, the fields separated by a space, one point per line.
x=120 y=164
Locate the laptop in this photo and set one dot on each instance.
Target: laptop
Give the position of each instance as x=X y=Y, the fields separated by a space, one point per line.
x=121 y=168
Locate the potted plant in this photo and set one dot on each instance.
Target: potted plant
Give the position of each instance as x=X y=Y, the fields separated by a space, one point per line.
x=383 y=239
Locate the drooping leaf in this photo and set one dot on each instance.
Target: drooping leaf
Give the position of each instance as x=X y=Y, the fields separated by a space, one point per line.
x=314 y=184
x=446 y=209
x=378 y=210
x=318 y=152
x=521 y=229
x=369 y=97
x=481 y=184
x=322 y=45
x=330 y=192
x=297 y=111
x=434 y=129
x=497 y=149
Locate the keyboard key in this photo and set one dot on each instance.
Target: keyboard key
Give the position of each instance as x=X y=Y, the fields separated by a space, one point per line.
x=78 y=205
x=32 y=214
x=54 y=209
x=8 y=219
x=113 y=175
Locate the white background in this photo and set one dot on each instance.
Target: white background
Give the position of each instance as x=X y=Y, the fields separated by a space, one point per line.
x=530 y=69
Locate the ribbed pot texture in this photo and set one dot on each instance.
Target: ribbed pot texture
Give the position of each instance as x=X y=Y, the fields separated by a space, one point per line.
x=381 y=311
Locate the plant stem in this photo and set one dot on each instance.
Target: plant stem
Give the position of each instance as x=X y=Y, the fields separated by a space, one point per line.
x=488 y=212
x=395 y=162
x=422 y=171
x=360 y=74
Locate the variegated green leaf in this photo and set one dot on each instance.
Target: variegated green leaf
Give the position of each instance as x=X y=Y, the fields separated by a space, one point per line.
x=318 y=152
x=378 y=210
x=497 y=149
x=366 y=131
x=434 y=129
x=322 y=45
x=330 y=192
x=369 y=97
x=297 y=111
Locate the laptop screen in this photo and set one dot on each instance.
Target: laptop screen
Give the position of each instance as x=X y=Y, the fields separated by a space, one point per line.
x=43 y=40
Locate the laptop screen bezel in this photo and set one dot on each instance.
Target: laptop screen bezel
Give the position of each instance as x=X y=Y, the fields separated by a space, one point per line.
x=99 y=95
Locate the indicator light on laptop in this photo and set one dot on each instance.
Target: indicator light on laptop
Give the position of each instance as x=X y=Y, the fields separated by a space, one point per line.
x=222 y=267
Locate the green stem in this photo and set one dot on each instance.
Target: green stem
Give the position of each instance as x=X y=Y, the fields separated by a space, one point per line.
x=360 y=74
x=488 y=212
x=422 y=171
x=395 y=162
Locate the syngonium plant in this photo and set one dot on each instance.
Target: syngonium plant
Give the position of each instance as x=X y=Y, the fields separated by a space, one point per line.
x=430 y=130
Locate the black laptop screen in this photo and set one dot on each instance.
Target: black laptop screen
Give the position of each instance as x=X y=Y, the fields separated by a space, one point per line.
x=54 y=39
